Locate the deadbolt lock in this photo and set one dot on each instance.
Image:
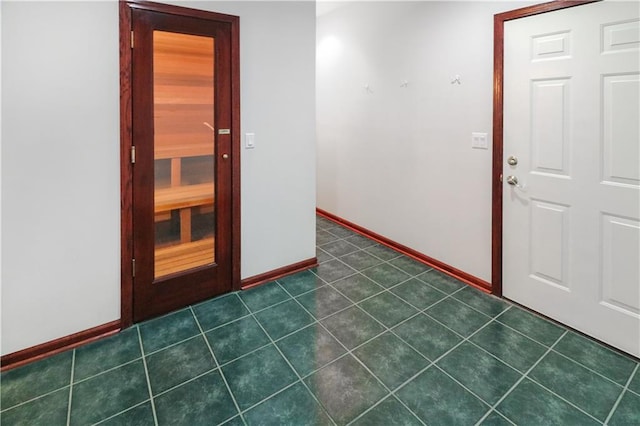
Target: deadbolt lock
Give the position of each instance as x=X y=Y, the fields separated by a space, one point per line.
x=512 y=161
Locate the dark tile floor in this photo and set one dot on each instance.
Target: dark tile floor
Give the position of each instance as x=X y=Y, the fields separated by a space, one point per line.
x=370 y=337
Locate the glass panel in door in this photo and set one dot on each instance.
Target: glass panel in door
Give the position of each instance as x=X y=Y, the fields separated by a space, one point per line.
x=183 y=94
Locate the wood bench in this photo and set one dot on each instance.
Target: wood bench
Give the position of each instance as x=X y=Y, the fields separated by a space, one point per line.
x=182 y=198
x=180 y=257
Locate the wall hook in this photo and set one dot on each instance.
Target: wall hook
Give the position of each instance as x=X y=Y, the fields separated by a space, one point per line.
x=456 y=79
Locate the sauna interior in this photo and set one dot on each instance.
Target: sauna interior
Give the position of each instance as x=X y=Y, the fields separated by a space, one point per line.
x=183 y=86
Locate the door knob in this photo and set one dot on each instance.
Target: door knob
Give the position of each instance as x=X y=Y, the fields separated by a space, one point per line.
x=225 y=156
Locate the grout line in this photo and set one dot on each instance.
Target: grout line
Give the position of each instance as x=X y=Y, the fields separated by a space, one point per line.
x=215 y=361
x=526 y=375
x=146 y=373
x=587 y=368
x=109 y=370
x=624 y=390
x=20 y=404
x=387 y=329
x=73 y=367
x=133 y=407
x=289 y=363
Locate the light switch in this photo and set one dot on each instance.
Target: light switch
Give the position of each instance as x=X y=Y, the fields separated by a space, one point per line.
x=249 y=140
x=479 y=140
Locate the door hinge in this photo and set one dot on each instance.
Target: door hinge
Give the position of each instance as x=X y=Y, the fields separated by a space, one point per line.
x=132 y=39
x=133 y=268
x=133 y=155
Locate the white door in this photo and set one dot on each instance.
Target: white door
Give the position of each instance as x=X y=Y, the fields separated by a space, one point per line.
x=571 y=233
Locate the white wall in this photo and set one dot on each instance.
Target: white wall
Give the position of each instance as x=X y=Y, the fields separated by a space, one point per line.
x=398 y=160
x=60 y=162
x=277 y=67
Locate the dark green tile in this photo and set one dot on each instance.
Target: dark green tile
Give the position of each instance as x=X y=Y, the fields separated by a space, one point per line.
x=352 y=327
x=438 y=400
x=345 y=389
x=576 y=384
x=323 y=222
x=341 y=231
x=388 y=412
x=333 y=270
x=339 y=248
x=236 y=339
x=510 y=346
x=635 y=383
x=176 y=364
x=361 y=241
x=301 y=282
x=310 y=348
x=427 y=336
x=597 y=357
x=382 y=252
x=322 y=256
x=457 y=316
x=628 y=411
x=142 y=415
x=236 y=421
x=441 y=281
x=204 y=400
x=283 y=319
x=495 y=419
x=531 y=405
x=324 y=237
x=388 y=309
x=167 y=330
x=323 y=302
x=258 y=375
x=386 y=275
x=263 y=296
x=531 y=325
x=294 y=406
x=108 y=394
x=483 y=302
x=479 y=372
x=391 y=360
x=418 y=293
x=410 y=266
x=24 y=383
x=357 y=287
x=49 y=410
x=220 y=310
x=360 y=260
x=106 y=354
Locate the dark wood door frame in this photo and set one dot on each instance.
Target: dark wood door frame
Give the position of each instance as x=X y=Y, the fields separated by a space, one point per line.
x=126 y=142
x=498 y=121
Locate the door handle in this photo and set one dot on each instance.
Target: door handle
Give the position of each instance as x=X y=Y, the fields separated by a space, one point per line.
x=513 y=181
x=225 y=156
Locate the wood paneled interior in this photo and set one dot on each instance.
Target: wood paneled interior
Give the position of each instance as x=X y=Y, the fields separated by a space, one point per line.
x=177 y=258
x=183 y=88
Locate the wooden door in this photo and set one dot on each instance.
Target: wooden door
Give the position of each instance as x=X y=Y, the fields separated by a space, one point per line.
x=571 y=236
x=182 y=121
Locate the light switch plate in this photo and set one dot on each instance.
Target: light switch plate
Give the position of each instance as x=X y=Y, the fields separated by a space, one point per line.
x=479 y=140
x=249 y=140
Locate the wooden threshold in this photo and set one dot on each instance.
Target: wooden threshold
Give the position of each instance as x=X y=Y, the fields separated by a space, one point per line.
x=422 y=258
x=35 y=353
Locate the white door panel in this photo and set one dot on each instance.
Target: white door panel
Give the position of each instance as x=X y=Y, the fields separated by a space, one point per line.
x=571 y=228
